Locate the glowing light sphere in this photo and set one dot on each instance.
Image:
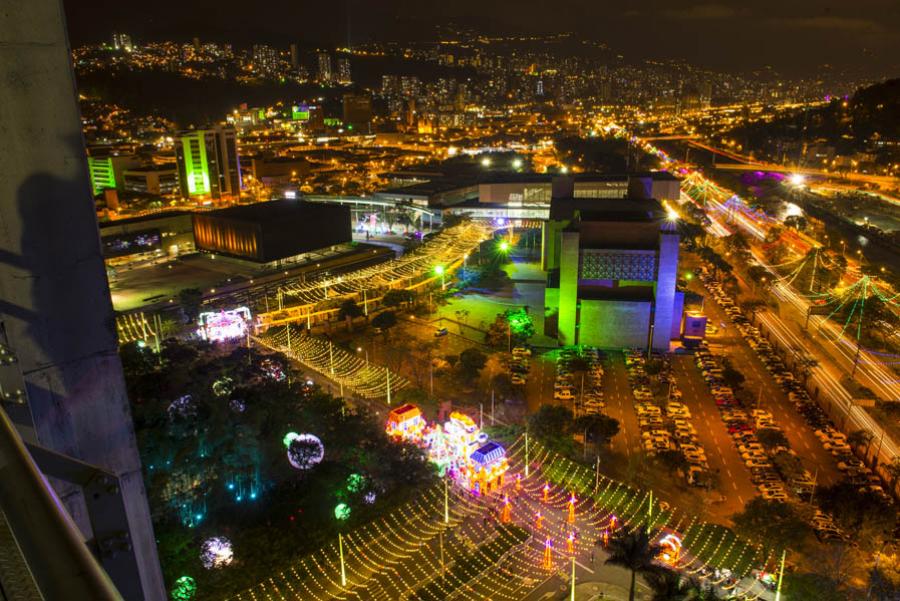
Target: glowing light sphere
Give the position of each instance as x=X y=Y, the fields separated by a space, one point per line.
x=797 y=179
x=355 y=482
x=216 y=552
x=304 y=451
x=369 y=498
x=183 y=407
x=342 y=511
x=184 y=590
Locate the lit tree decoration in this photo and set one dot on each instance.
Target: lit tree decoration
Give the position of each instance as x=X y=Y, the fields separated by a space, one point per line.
x=237 y=405
x=216 y=552
x=183 y=407
x=184 y=590
x=342 y=511
x=369 y=498
x=273 y=369
x=223 y=386
x=356 y=482
x=304 y=451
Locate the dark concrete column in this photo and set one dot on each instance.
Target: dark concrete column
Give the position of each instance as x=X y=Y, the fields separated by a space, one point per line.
x=54 y=297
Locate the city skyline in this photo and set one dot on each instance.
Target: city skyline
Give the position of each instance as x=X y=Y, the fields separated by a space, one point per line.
x=790 y=38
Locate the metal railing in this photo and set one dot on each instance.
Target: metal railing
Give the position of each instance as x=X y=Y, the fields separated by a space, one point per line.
x=58 y=561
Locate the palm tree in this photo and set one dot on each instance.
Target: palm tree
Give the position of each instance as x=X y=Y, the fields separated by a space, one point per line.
x=636 y=552
x=669 y=585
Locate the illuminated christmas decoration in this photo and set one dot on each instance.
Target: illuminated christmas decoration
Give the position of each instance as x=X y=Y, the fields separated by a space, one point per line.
x=571 y=517
x=304 y=451
x=224 y=325
x=237 y=405
x=548 y=554
x=223 y=386
x=484 y=472
x=216 y=553
x=355 y=482
x=539 y=520
x=671 y=548
x=369 y=498
x=272 y=370
x=184 y=590
x=342 y=511
x=570 y=542
x=183 y=407
x=505 y=514
x=546 y=492
x=459 y=448
x=406 y=423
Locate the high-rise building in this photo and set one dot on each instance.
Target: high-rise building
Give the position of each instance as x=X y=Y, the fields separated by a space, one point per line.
x=122 y=41
x=324 y=67
x=390 y=86
x=208 y=163
x=197 y=46
x=295 y=56
x=265 y=60
x=343 y=65
x=357 y=111
x=106 y=171
x=410 y=86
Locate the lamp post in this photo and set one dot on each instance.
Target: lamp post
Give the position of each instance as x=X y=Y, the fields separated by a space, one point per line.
x=440 y=271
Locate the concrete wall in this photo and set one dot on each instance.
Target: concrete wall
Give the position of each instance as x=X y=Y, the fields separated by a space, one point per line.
x=568 y=288
x=614 y=324
x=54 y=297
x=664 y=307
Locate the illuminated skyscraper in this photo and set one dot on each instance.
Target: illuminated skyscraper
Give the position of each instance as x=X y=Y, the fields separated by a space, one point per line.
x=208 y=163
x=295 y=56
x=122 y=41
x=343 y=65
x=265 y=60
x=324 y=67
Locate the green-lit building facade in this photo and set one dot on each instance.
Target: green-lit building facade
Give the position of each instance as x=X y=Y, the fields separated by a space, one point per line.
x=612 y=266
x=208 y=163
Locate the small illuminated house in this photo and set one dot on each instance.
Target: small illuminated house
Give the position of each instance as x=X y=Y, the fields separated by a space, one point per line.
x=406 y=422
x=485 y=469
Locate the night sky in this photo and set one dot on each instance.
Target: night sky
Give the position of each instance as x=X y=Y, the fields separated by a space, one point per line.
x=796 y=37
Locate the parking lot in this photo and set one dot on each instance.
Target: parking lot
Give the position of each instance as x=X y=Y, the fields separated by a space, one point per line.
x=775 y=459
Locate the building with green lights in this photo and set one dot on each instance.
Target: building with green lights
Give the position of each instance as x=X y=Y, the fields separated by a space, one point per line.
x=612 y=265
x=208 y=163
x=106 y=171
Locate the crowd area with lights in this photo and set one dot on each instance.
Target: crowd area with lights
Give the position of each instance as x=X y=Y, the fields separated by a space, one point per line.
x=450 y=543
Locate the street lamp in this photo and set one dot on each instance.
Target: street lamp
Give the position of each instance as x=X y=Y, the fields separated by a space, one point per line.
x=359 y=349
x=439 y=269
x=504 y=246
